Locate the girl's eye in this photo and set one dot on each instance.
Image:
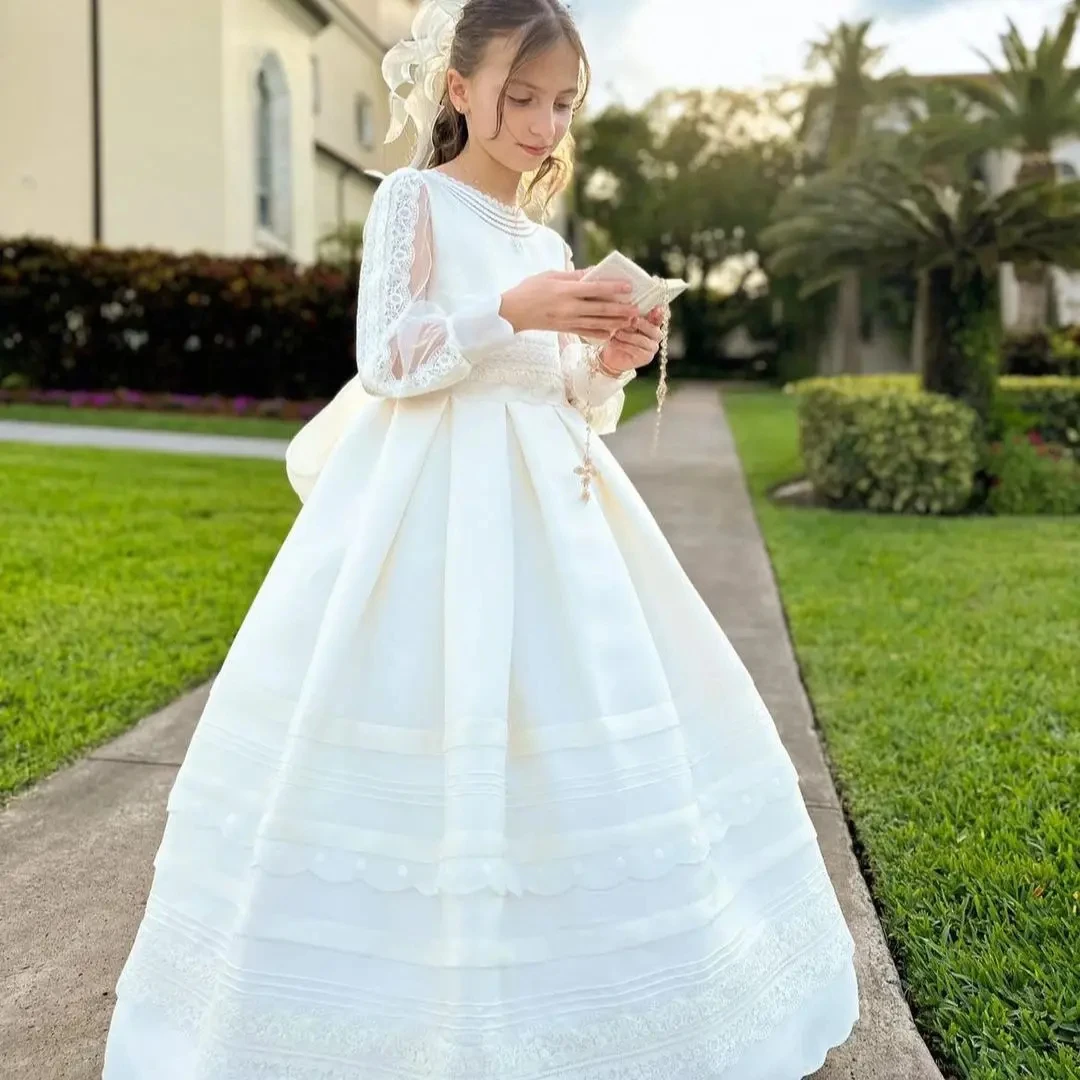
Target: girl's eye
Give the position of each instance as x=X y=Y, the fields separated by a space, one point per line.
x=519 y=101
x=564 y=108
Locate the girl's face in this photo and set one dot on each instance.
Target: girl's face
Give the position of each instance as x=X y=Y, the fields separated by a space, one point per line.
x=539 y=102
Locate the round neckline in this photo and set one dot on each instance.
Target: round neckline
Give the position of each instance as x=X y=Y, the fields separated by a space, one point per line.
x=515 y=209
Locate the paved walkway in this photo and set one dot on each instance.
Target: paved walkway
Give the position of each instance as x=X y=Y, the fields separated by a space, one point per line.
x=171 y=442
x=76 y=852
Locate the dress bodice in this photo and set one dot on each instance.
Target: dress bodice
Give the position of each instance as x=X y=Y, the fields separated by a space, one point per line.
x=438 y=257
x=483 y=247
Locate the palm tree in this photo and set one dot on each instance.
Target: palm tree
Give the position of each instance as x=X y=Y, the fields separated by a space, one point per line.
x=852 y=94
x=1028 y=105
x=888 y=216
x=935 y=104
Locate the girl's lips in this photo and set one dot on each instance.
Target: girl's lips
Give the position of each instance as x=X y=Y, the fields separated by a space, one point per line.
x=536 y=151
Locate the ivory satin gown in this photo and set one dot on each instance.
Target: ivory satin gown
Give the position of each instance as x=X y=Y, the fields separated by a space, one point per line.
x=481 y=791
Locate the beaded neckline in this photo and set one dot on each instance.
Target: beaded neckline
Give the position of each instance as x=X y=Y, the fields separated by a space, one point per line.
x=508 y=217
x=509 y=208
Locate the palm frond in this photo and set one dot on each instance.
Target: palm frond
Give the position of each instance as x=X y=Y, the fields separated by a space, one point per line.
x=884 y=218
x=1058 y=47
x=1034 y=95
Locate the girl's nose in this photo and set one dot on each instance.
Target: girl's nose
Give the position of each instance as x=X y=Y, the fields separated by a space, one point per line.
x=543 y=130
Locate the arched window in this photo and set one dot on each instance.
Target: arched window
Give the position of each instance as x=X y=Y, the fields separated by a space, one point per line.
x=273 y=149
x=1065 y=170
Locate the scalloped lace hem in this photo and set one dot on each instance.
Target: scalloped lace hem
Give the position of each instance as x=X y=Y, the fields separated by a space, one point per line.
x=700 y=1034
x=691 y=838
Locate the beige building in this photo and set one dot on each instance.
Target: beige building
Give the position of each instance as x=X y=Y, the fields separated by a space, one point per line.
x=230 y=126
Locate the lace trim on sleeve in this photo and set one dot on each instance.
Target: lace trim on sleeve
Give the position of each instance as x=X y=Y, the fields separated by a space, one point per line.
x=403 y=346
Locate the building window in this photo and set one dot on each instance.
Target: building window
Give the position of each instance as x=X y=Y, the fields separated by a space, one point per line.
x=273 y=149
x=316 y=87
x=1065 y=170
x=365 y=121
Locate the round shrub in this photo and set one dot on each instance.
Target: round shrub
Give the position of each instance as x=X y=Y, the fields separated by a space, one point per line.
x=880 y=443
x=1029 y=476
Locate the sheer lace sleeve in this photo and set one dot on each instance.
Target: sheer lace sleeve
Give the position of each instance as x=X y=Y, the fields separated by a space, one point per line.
x=406 y=345
x=604 y=393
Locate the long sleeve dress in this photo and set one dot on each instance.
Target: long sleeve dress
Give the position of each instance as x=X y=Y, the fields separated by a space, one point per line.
x=481 y=791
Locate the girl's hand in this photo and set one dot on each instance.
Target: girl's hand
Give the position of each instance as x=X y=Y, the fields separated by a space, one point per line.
x=635 y=346
x=560 y=300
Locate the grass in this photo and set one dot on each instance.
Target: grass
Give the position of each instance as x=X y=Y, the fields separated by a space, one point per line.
x=265 y=428
x=941 y=657
x=640 y=395
x=125 y=577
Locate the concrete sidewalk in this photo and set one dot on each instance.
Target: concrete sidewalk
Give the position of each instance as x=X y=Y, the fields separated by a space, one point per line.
x=170 y=442
x=76 y=852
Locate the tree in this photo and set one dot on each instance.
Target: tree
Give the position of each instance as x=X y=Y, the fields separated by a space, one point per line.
x=849 y=100
x=1028 y=105
x=887 y=216
x=933 y=105
x=684 y=187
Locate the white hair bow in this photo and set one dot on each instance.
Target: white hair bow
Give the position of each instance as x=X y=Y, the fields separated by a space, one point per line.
x=421 y=63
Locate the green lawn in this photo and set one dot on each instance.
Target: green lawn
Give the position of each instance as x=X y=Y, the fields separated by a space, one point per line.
x=159 y=421
x=124 y=578
x=640 y=394
x=640 y=397
x=943 y=659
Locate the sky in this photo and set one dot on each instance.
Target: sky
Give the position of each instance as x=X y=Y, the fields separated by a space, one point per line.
x=639 y=46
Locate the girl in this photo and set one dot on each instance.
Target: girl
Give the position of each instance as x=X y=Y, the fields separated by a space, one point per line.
x=482 y=792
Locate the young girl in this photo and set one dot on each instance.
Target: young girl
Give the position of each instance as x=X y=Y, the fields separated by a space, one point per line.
x=482 y=792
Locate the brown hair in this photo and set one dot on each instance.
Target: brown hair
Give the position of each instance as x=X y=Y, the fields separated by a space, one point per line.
x=541 y=24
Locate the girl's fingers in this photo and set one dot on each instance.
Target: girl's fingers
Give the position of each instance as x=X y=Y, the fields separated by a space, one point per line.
x=594 y=327
x=648 y=329
x=596 y=309
x=637 y=339
x=609 y=317
x=603 y=290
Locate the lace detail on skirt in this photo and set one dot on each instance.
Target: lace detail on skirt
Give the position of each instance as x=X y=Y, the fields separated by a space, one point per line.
x=689 y=1023
x=643 y=850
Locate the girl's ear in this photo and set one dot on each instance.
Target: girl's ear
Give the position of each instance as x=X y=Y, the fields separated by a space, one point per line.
x=458 y=91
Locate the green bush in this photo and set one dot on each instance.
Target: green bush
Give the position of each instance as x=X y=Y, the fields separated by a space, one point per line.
x=1029 y=476
x=1049 y=406
x=1064 y=352
x=882 y=444
x=97 y=319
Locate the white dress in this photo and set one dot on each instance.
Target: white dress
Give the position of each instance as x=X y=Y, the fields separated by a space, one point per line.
x=481 y=791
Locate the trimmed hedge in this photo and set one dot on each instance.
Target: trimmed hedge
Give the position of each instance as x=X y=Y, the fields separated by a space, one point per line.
x=73 y=318
x=1049 y=406
x=882 y=444
x=1028 y=476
